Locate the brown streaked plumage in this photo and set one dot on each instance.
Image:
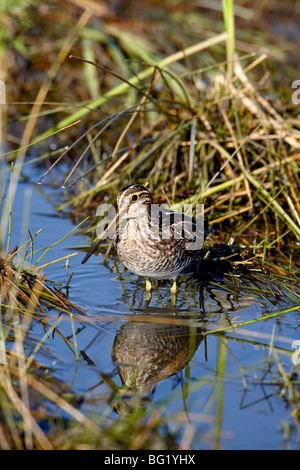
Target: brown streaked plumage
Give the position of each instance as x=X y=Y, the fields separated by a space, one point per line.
x=152 y=241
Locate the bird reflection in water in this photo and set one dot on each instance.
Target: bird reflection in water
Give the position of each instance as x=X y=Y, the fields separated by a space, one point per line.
x=146 y=353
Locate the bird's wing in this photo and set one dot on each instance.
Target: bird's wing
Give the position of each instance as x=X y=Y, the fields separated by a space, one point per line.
x=190 y=231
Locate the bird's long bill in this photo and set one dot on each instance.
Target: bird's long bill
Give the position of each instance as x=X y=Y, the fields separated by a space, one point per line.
x=101 y=239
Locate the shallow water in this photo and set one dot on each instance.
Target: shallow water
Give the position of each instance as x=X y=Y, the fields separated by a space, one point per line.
x=216 y=386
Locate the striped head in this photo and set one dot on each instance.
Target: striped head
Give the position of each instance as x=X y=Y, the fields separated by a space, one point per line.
x=134 y=201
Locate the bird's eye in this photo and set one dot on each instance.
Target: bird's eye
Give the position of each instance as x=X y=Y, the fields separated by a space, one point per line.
x=134 y=197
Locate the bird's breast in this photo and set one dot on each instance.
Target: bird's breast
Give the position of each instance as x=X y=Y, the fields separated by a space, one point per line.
x=145 y=252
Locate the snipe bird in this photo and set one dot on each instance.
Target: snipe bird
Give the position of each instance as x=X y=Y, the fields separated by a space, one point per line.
x=152 y=241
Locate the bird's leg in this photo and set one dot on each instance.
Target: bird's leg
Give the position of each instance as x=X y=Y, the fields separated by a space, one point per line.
x=148 y=285
x=174 y=288
x=148 y=290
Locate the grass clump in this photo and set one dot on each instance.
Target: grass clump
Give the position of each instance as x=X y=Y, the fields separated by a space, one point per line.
x=26 y=298
x=230 y=148
x=204 y=120
x=192 y=134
